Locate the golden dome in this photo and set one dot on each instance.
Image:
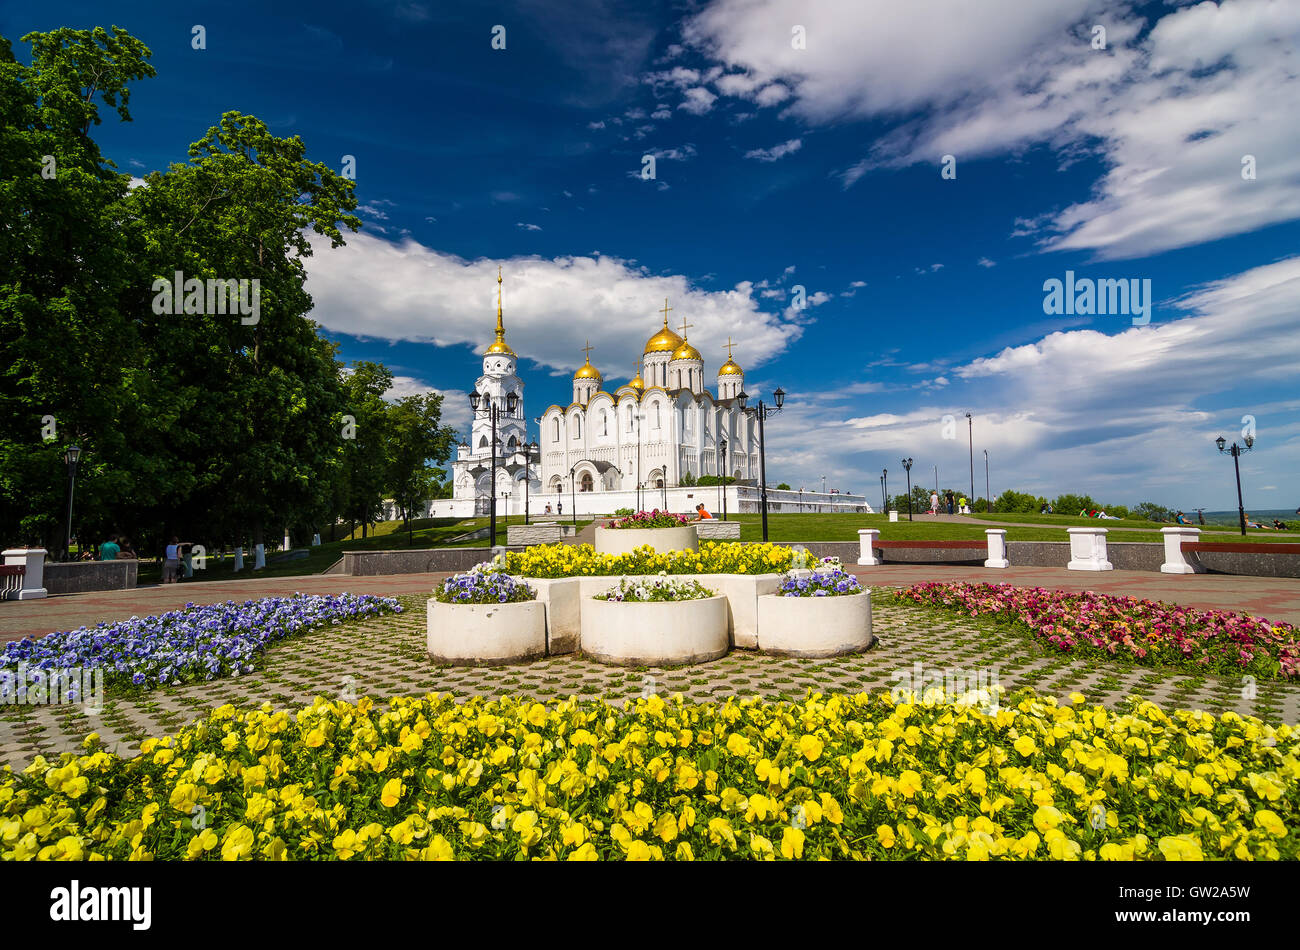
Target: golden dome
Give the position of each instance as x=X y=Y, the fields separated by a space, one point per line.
x=686 y=352
x=587 y=371
x=637 y=382
x=730 y=368
x=665 y=341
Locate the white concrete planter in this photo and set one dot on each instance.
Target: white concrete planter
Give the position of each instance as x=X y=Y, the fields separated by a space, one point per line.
x=486 y=634
x=561 y=597
x=814 y=626
x=627 y=540
x=671 y=633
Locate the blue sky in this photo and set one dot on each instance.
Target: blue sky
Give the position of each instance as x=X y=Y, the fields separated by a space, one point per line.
x=780 y=166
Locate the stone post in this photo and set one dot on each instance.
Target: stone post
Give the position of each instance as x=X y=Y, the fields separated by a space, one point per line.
x=997 y=548
x=1088 y=550
x=33 y=559
x=1175 y=561
x=867 y=541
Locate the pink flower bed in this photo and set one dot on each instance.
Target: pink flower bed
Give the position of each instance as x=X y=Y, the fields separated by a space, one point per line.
x=650 y=519
x=1144 y=631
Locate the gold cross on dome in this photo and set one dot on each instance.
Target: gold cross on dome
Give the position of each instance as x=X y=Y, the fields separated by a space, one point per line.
x=684 y=327
x=665 y=310
x=587 y=350
x=729 y=346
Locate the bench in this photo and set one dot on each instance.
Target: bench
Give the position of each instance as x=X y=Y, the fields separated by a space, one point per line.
x=992 y=551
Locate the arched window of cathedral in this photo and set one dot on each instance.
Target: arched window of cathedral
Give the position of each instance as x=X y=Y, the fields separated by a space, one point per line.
x=587 y=483
x=556 y=436
x=482 y=443
x=512 y=443
x=577 y=427
x=604 y=422
x=630 y=413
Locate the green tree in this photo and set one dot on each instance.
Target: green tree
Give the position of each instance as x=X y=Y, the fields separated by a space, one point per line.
x=688 y=480
x=416 y=438
x=364 y=453
x=256 y=396
x=66 y=346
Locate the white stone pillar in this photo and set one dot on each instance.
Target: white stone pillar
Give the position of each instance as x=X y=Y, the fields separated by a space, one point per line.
x=315 y=540
x=867 y=542
x=1088 y=550
x=33 y=560
x=997 y=548
x=893 y=515
x=1175 y=561
x=259 y=556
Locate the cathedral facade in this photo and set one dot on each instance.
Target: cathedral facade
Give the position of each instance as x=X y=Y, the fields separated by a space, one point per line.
x=653 y=430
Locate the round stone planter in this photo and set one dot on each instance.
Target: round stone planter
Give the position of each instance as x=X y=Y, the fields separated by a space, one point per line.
x=814 y=626
x=627 y=540
x=669 y=633
x=486 y=634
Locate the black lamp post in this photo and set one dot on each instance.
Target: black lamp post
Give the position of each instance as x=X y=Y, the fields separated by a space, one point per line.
x=722 y=476
x=907 y=465
x=988 y=499
x=493 y=411
x=970 y=430
x=1235 y=451
x=884 y=485
x=530 y=450
x=72 y=457
x=762 y=411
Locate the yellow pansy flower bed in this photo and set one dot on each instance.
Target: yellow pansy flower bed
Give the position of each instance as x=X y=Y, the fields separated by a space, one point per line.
x=713 y=557
x=839 y=777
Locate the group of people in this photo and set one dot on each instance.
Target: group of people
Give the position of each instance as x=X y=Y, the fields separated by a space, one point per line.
x=954 y=504
x=560 y=506
x=118 y=548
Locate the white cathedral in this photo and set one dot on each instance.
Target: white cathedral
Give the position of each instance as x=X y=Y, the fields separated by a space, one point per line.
x=646 y=435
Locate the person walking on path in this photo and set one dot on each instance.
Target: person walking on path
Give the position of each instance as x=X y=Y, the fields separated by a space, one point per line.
x=934 y=504
x=948 y=497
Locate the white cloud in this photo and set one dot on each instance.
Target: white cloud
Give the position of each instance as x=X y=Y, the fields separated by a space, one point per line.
x=698 y=101
x=1083 y=410
x=776 y=152
x=374 y=288
x=455 y=402
x=985 y=262
x=525 y=226
x=1170 y=113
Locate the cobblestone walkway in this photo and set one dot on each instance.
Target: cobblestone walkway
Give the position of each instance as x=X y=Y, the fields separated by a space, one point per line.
x=385 y=657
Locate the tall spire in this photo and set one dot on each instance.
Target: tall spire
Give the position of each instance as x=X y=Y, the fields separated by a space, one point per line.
x=499 y=345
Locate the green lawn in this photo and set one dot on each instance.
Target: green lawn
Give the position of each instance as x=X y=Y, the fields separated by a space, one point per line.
x=386 y=536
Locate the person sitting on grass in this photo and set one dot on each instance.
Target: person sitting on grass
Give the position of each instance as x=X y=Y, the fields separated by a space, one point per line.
x=1181 y=518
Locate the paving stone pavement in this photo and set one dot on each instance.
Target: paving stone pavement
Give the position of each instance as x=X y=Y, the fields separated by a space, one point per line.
x=385 y=656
